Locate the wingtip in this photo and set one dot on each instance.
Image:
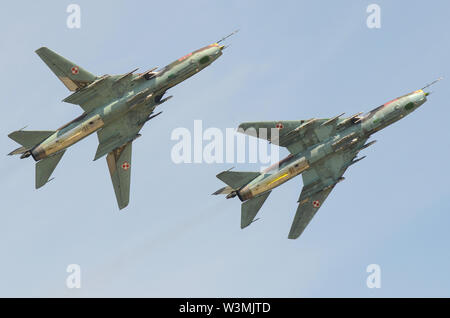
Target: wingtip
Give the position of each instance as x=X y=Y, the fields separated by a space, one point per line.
x=42 y=48
x=292 y=237
x=123 y=205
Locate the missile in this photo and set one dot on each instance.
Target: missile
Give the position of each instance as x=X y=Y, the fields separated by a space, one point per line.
x=148 y=118
x=137 y=99
x=124 y=76
x=150 y=96
x=306 y=124
x=343 y=140
x=147 y=75
x=332 y=120
x=164 y=100
x=368 y=145
x=303 y=126
x=153 y=116
x=355 y=161
x=349 y=145
x=97 y=82
x=347 y=121
x=346 y=145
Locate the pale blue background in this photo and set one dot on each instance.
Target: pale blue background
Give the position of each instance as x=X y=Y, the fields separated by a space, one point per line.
x=291 y=60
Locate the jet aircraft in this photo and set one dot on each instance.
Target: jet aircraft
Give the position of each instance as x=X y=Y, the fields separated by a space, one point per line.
x=115 y=106
x=320 y=149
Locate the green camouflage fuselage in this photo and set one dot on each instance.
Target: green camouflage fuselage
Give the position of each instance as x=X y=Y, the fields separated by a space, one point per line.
x=353 y=131
x=134 y=92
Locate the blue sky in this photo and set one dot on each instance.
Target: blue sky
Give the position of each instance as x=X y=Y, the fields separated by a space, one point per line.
x=291 y=60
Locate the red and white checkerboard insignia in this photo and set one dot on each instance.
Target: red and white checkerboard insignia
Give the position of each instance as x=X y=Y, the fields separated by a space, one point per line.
x=74 y=70
x=279 y=126
x=125 y=166
x=316 y=204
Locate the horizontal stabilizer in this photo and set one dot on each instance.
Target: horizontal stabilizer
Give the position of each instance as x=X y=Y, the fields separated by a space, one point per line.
x=224 y=190
x=18 y=151
x=72 y=75
x=45 y=168
x=29 y=139
x=237 y=179
x=250 y=208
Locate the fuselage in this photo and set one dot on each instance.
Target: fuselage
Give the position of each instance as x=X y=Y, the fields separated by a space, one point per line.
x=357 y=129
x=144 y=92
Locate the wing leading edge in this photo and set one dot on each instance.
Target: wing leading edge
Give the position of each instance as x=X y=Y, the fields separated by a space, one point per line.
x=70 y=74
x=297 y=135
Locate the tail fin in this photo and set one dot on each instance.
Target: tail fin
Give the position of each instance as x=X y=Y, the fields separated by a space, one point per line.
x=28 y=139
x=250 y=208
x=72 y=75
x=237 y=179
x=45 y=168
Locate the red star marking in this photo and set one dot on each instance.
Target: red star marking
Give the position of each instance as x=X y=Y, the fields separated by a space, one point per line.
x=316 y=204
x=74 y=70
x=279 y=126
x=125 y=166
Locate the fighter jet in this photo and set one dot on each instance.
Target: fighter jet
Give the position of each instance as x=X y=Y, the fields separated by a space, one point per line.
x=320 y=149
x=115 y=106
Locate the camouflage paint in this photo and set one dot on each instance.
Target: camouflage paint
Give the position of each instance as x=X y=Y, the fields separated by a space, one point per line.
x=295 y=164
x=321 y=150
x=115 y=107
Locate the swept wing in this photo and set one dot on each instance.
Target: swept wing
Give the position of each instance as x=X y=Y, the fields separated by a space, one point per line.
x=318 y=182
x=297 y=135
